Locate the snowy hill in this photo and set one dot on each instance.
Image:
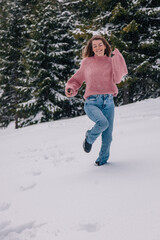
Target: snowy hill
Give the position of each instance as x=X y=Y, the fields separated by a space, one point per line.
x=50 y=188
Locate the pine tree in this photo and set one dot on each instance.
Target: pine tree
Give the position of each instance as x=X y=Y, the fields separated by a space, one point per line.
x=13 y=78
x=140 y=36
x=120 y=18
x=3 y=38
x=145 y=73
x=50 y=61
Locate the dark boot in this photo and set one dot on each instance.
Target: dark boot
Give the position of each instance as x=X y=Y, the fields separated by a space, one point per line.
x=87 y=146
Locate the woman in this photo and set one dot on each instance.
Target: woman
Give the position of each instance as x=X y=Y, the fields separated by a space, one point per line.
x=101 y=71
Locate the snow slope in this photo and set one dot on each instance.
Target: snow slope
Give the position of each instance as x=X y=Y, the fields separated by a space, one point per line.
x=50 y=188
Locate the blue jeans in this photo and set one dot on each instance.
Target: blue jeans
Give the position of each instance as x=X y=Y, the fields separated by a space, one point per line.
x=100 y=109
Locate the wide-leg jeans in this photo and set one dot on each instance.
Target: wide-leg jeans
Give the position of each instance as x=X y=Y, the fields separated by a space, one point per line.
x=100 y=109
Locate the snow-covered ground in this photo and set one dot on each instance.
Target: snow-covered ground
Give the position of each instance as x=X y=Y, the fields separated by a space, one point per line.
x=50 y=188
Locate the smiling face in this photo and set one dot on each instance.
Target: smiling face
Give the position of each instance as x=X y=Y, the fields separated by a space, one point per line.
x=98 y=47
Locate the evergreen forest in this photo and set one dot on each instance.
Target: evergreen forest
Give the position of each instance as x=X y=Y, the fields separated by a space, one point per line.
x=41 y=43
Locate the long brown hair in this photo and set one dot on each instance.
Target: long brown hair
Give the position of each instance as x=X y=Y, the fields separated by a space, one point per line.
x=87 y=51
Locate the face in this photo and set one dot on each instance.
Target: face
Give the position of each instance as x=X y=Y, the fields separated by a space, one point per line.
x=98 y=47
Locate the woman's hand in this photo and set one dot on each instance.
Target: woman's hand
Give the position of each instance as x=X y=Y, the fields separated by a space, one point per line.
x=69 y=92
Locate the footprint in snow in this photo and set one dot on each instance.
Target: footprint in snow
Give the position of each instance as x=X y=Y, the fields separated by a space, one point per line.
x=27 y=187
x=4 y=206
x=16 y=231
x=90 y=227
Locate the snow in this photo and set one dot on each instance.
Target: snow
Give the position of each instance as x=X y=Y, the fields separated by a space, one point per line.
x=158 y=61
x=50 y=188
x=150 y=10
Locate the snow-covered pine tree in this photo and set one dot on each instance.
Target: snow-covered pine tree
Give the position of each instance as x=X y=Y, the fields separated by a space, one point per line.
x=65 y=55
x=136 y=31
x=118 y=19
x=12 y=74
x=145 y=72
x=3 y=37
x=50 y=61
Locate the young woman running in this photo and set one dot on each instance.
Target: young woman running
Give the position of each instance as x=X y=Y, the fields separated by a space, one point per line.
x=101 y=69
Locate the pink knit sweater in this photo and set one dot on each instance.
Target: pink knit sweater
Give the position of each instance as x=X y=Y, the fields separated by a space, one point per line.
x=101 y=74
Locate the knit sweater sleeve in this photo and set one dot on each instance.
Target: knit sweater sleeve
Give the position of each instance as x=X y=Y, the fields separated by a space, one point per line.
x=119 y=66
x=75 y=82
